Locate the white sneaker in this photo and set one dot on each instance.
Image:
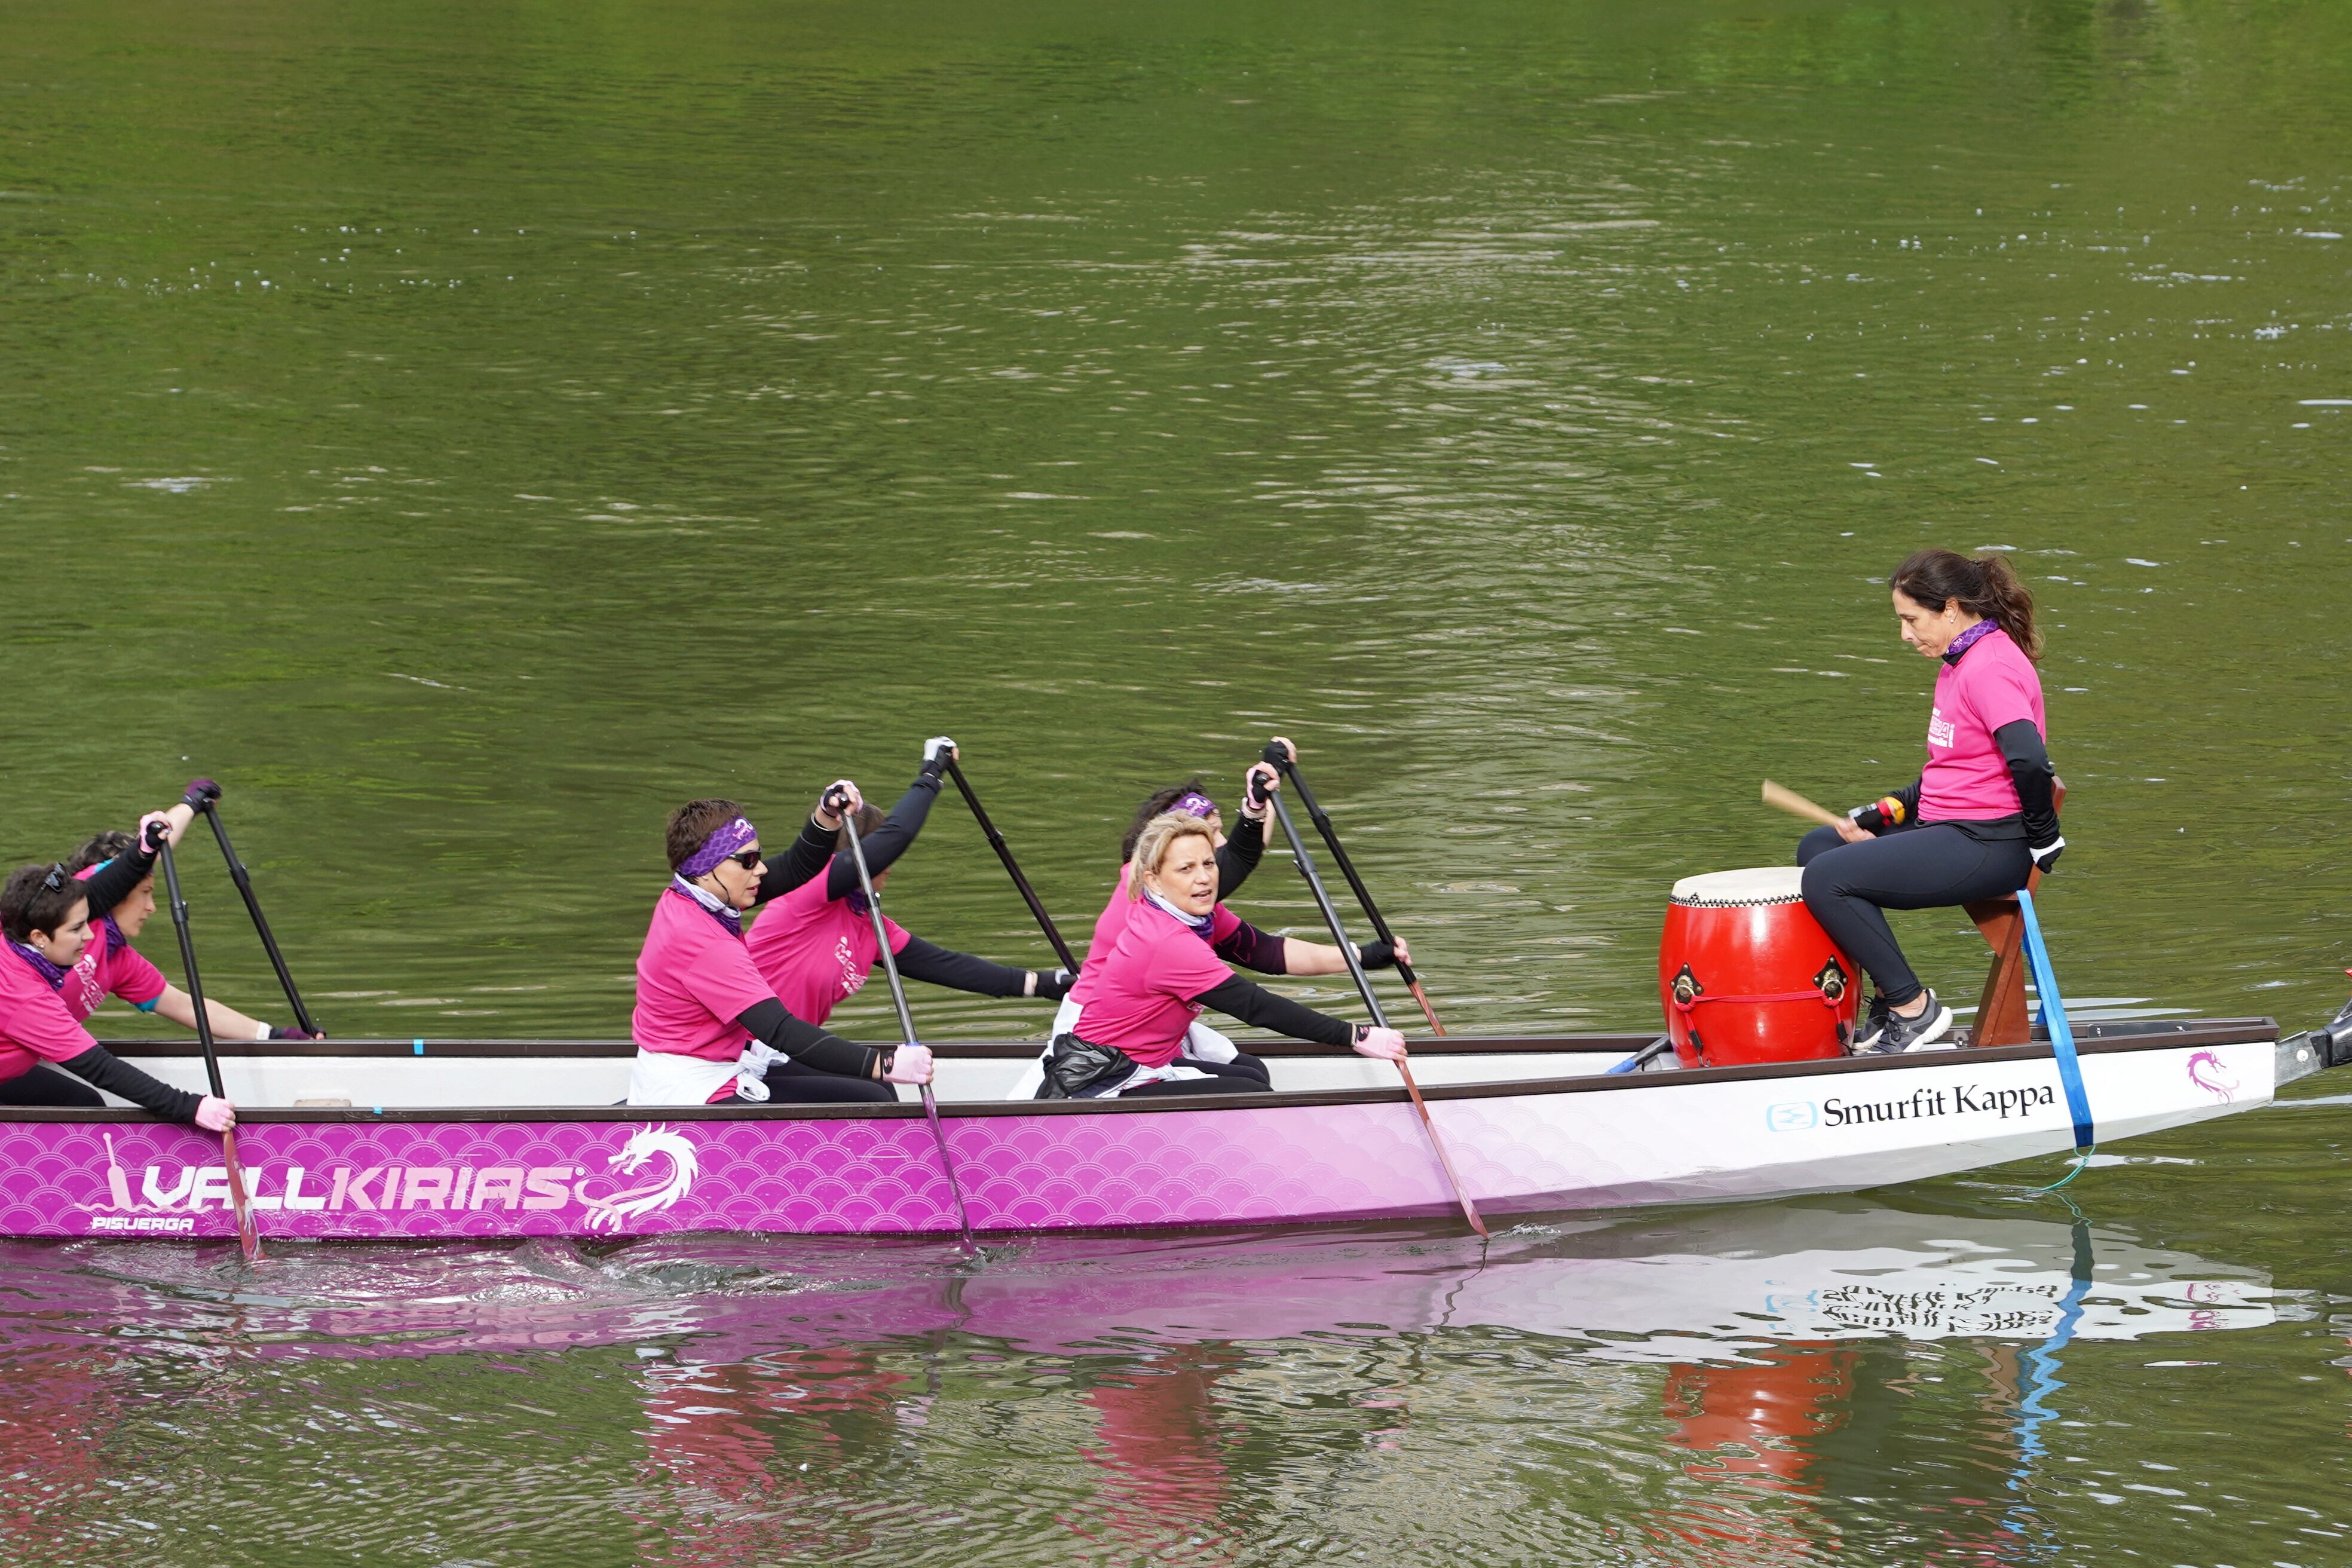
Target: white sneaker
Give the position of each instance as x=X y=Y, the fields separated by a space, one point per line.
x=1930 y=1031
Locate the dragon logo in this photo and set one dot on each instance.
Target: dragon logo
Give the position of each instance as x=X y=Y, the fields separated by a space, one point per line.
x=608 y=1212
x=2206 y=1072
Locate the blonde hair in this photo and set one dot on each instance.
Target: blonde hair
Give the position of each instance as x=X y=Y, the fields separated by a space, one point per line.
x=1151 y=845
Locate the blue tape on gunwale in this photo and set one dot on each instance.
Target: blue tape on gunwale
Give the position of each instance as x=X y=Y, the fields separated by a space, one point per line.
x=2054 y=1012
x=419 y=1044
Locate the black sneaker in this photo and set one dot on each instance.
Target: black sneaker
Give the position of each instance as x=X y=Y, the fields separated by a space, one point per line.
x=1930 y=1031
x=1874 y=1025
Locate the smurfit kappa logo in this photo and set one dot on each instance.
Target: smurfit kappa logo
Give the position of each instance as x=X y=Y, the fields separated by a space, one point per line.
x=1792 y=1116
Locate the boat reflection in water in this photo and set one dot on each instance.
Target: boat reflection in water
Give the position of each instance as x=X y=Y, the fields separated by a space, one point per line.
x=1144 y=1392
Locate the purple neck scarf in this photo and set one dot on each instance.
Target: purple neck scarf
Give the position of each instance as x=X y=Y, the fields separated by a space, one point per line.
x=728 y=838
x=731 y=918
x=1194 y=804
x=1968 y=639
x=41 y=966
x=1199 y=925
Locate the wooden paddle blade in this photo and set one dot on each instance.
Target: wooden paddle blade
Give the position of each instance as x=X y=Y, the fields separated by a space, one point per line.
x=1461 y=1193
x=248 y=1235
x=1795 y=805
x=1427 y=1011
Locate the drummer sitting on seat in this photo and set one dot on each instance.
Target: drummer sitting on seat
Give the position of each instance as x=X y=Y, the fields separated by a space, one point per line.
x=1980 y=817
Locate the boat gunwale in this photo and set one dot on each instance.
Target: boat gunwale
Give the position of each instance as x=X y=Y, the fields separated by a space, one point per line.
x=2122 y=1038
x=405 y=1046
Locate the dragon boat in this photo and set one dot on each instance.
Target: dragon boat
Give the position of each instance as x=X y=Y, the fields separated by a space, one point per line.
x=441 y=1138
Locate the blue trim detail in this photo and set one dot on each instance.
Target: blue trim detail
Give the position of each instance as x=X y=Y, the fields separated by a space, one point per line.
x=419 y=1044
x=148 y=1006
x=2054 y=1012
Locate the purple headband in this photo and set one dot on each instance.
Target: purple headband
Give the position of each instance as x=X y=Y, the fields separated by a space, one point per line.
x=1194 y=803
x=727 y=838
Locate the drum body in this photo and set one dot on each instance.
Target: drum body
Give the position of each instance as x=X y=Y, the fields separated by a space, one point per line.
x=1746 y=975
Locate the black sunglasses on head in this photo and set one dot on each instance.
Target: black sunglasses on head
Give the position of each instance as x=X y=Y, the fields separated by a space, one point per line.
x=55 y=882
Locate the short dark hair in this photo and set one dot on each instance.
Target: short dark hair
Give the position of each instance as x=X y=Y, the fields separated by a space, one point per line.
x=111 y=845
x=27 y=903
x=1154 y=805
x=691 y=826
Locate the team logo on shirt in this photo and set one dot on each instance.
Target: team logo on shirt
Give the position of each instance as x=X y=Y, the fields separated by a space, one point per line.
x=1940 y=729
x=84 y=973
x=853 y=973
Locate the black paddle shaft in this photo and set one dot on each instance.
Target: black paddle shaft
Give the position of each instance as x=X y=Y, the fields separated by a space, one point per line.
x=1281 y=759
x=906 y=1022
x=188 y=963
x=1004 y=852
x=1323 y=902
x=260 y=921
x=881 y=932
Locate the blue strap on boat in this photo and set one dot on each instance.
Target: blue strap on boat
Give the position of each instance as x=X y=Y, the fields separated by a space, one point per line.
x=419 y=1044
x=2062 y=1033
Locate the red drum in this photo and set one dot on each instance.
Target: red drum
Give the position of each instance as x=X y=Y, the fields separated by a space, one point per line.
x=1747 y=973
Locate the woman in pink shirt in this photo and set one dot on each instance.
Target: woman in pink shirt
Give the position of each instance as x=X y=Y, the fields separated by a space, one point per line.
x=1231 y=938
x=44 y=915
x=1980 y=817
x=111 y=966
x=815 y=947
x=709 y=1028
x=1161 y=972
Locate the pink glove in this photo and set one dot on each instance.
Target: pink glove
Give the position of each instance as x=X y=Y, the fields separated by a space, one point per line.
x=909 y=1064
x=1381 y=1044
x=215 y=1115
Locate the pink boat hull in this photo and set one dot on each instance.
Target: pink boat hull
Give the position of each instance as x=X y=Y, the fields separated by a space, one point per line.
x=428 y=1180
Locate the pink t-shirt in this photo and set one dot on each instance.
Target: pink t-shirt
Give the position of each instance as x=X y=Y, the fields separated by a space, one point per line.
x=1965 y=779
x=108 y=966
x=814 y=951
x=694 y=976
x=1142 y=1000
x=1112 y=923
x=35 y=1026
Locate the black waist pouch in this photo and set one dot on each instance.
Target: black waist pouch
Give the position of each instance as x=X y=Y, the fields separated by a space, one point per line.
x=1077 y=1066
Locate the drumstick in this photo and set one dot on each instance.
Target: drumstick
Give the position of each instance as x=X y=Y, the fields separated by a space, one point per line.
x=1795 y=805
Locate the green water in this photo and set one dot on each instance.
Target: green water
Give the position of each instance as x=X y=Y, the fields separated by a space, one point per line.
x=469 y=432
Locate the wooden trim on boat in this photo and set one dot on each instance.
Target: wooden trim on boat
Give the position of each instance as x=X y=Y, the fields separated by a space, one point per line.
x=2090 y=1039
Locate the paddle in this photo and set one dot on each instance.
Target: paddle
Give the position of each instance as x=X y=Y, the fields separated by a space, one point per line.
x=906 y=1020
x=1280 y=757
x=248 y=1236
x=1795 y=805
x=1004 y=852
x=210 y=808
x=1644 y=1057
x=1372 y=1000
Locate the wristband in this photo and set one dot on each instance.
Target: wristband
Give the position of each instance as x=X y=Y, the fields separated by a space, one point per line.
x=261 y=1031
x=884 y=1061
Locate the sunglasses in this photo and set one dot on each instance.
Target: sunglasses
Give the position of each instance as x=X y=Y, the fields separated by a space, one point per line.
x=748 y=859
x=55 y=882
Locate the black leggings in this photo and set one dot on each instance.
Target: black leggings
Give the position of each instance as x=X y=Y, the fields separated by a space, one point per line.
x=42 y=1086
x=791 y=1083
x=1928 y=866
x=1243 y=1075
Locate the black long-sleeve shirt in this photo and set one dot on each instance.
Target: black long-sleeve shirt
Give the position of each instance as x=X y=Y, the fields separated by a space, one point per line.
x=101 y=1068
x=1253 y=1003
x=804 y=1042
x=109 y=887
x=925 y=960
x=887 y=843
x=1240 y=854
